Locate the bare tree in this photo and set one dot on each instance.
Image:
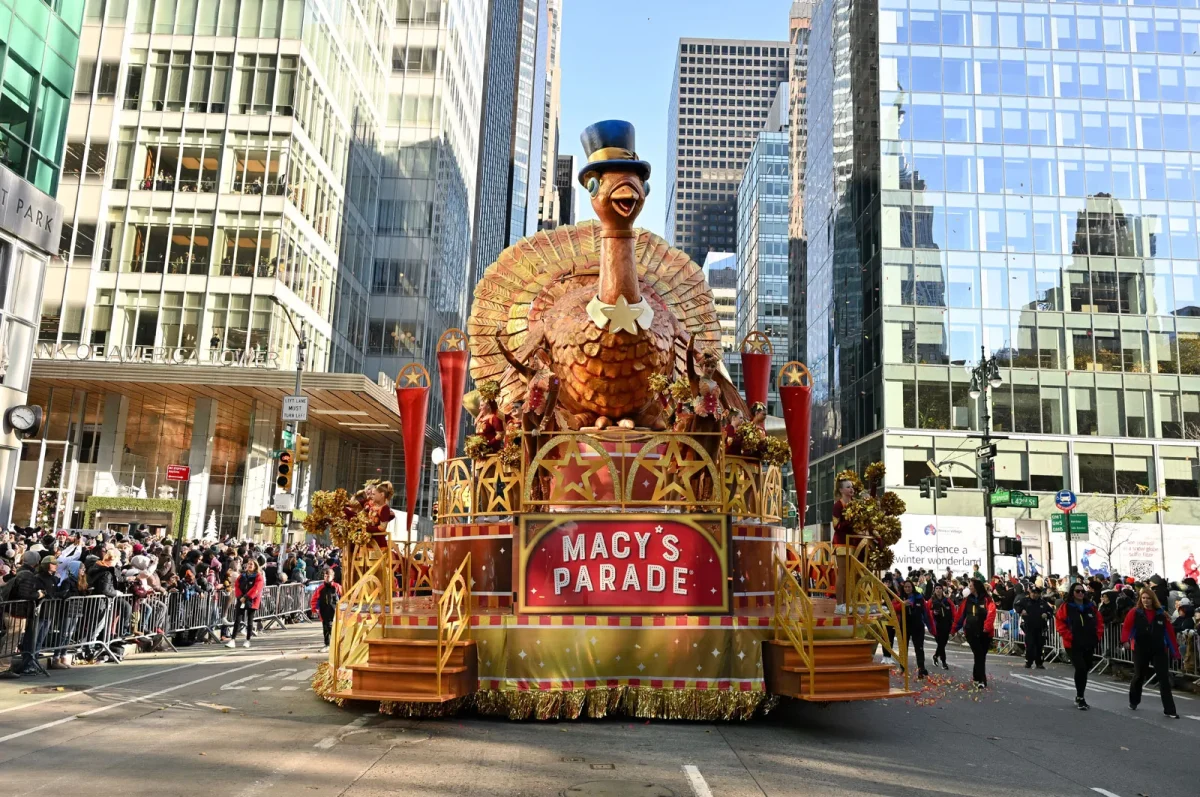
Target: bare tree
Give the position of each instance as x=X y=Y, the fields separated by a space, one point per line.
x=1112 y=516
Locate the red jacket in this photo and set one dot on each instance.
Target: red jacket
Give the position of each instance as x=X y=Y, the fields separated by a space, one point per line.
x=253 y=595
x=1169 y=640
x=317 y=593
x=989 y=621
x=1063 y=624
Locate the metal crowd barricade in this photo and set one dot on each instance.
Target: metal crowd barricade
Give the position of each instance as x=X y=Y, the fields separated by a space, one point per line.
x=64 y=625
x=12 y=627
x=101 y=626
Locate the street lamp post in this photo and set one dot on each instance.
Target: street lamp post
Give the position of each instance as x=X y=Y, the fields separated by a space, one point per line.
x=293 y=426
x=985 y=376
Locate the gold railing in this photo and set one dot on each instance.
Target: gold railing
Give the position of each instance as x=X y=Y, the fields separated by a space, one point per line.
x=816 y=566
x=367 y=599
x=614 y=468
x=874 y=606
x=795 y=619
x=453 y=616
x=414 y=568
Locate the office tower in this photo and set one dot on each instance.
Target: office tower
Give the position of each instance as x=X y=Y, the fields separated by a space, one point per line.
x=427 y=206
x=720 y=96
x=1015 y=181
x=551 y=132
x=564 y=184
x=762 y=240
x=800 y=24
x=720 y=271
x=511 y=129
x=220 y=186
x=38 y=49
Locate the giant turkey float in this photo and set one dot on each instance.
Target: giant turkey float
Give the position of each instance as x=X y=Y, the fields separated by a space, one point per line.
x=611 y=541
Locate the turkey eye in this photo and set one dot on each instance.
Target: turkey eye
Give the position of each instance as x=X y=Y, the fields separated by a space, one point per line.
x=593 y=186
x=646 y=185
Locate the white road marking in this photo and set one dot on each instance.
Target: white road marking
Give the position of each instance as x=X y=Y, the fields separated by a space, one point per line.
x=234 y=684
x=288 y=688
x=330 y=741
x=1105 y=792
x=696 y=781
x=110 y=706
x=115 y=683
x=276 y=674
x=1191 y=717
x=303 y=675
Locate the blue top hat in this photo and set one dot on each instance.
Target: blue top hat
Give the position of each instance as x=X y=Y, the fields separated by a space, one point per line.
x=610 y=145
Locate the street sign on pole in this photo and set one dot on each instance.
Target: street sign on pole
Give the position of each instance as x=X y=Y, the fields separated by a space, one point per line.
x=1022 y=500
x=1074 y=524
x=283 y=502
x=1064 y=500
x=1000 y=498
x=295 y=408
x=984 y=452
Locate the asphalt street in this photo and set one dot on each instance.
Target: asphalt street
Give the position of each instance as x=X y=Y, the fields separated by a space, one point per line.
x=207 y=720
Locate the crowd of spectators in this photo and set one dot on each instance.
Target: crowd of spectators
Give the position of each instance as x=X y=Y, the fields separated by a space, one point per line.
x=36 y=566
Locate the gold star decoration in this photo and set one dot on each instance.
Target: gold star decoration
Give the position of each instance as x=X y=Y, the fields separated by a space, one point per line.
x=793 y=375
x=574 y=474
x=495 y=491
x=413 y=375
x=674 y=474
x=622 y=316
x=453 y=342
x=757 y=345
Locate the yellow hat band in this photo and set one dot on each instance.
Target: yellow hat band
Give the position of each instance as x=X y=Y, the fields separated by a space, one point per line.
x=612 y=154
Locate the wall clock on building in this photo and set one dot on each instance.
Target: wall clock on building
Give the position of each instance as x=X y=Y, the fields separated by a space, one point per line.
x=24 y=419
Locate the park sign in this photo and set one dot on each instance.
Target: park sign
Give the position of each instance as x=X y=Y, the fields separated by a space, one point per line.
x=1074 y=524
x=1013 y=498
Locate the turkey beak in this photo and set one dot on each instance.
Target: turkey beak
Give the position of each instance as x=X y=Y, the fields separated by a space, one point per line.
x=625 y=198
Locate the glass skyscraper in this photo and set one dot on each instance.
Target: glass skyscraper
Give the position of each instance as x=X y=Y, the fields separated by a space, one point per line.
x=1019 y=180
x=762 y=248
x=39 y=43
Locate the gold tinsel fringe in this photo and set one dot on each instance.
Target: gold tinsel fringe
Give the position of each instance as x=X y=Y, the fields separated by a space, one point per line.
x=325 y=684
x=427 y=710
x=642 y=702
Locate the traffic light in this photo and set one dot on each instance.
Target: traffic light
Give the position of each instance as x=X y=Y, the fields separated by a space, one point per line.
x=283 y=479
x=301 y=448
x=940 y=486
x=987 y=474
x=925 y=493
x=1010 y=546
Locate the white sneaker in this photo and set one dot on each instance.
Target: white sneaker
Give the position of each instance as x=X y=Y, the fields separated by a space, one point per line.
x=888 y=661
x=231 y=644
x=323 y=649
x=247 y=644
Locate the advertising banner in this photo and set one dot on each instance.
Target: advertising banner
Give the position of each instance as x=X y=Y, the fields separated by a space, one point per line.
x=623 y=563
x=937 y=543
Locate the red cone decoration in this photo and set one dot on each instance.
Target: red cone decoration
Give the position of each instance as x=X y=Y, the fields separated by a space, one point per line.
x=756 y=366
x=795 y=393
x=452 y=367
x=412 y=399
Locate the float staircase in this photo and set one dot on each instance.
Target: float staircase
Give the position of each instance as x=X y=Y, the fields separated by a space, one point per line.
x=406 y=670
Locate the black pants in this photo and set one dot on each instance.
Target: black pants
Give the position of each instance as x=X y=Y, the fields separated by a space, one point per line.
x=1034 y=644
x=246 y=614
x=891 y=632
x=917 y=638
x=941 y=639
x=1081 y=658
x=1143 y=660
x=980 y=645
x=327 y=627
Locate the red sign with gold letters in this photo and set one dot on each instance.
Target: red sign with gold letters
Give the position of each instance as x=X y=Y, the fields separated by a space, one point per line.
x=627 y=563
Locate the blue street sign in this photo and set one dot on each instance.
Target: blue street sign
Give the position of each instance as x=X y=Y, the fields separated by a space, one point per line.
x=1064 y=500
